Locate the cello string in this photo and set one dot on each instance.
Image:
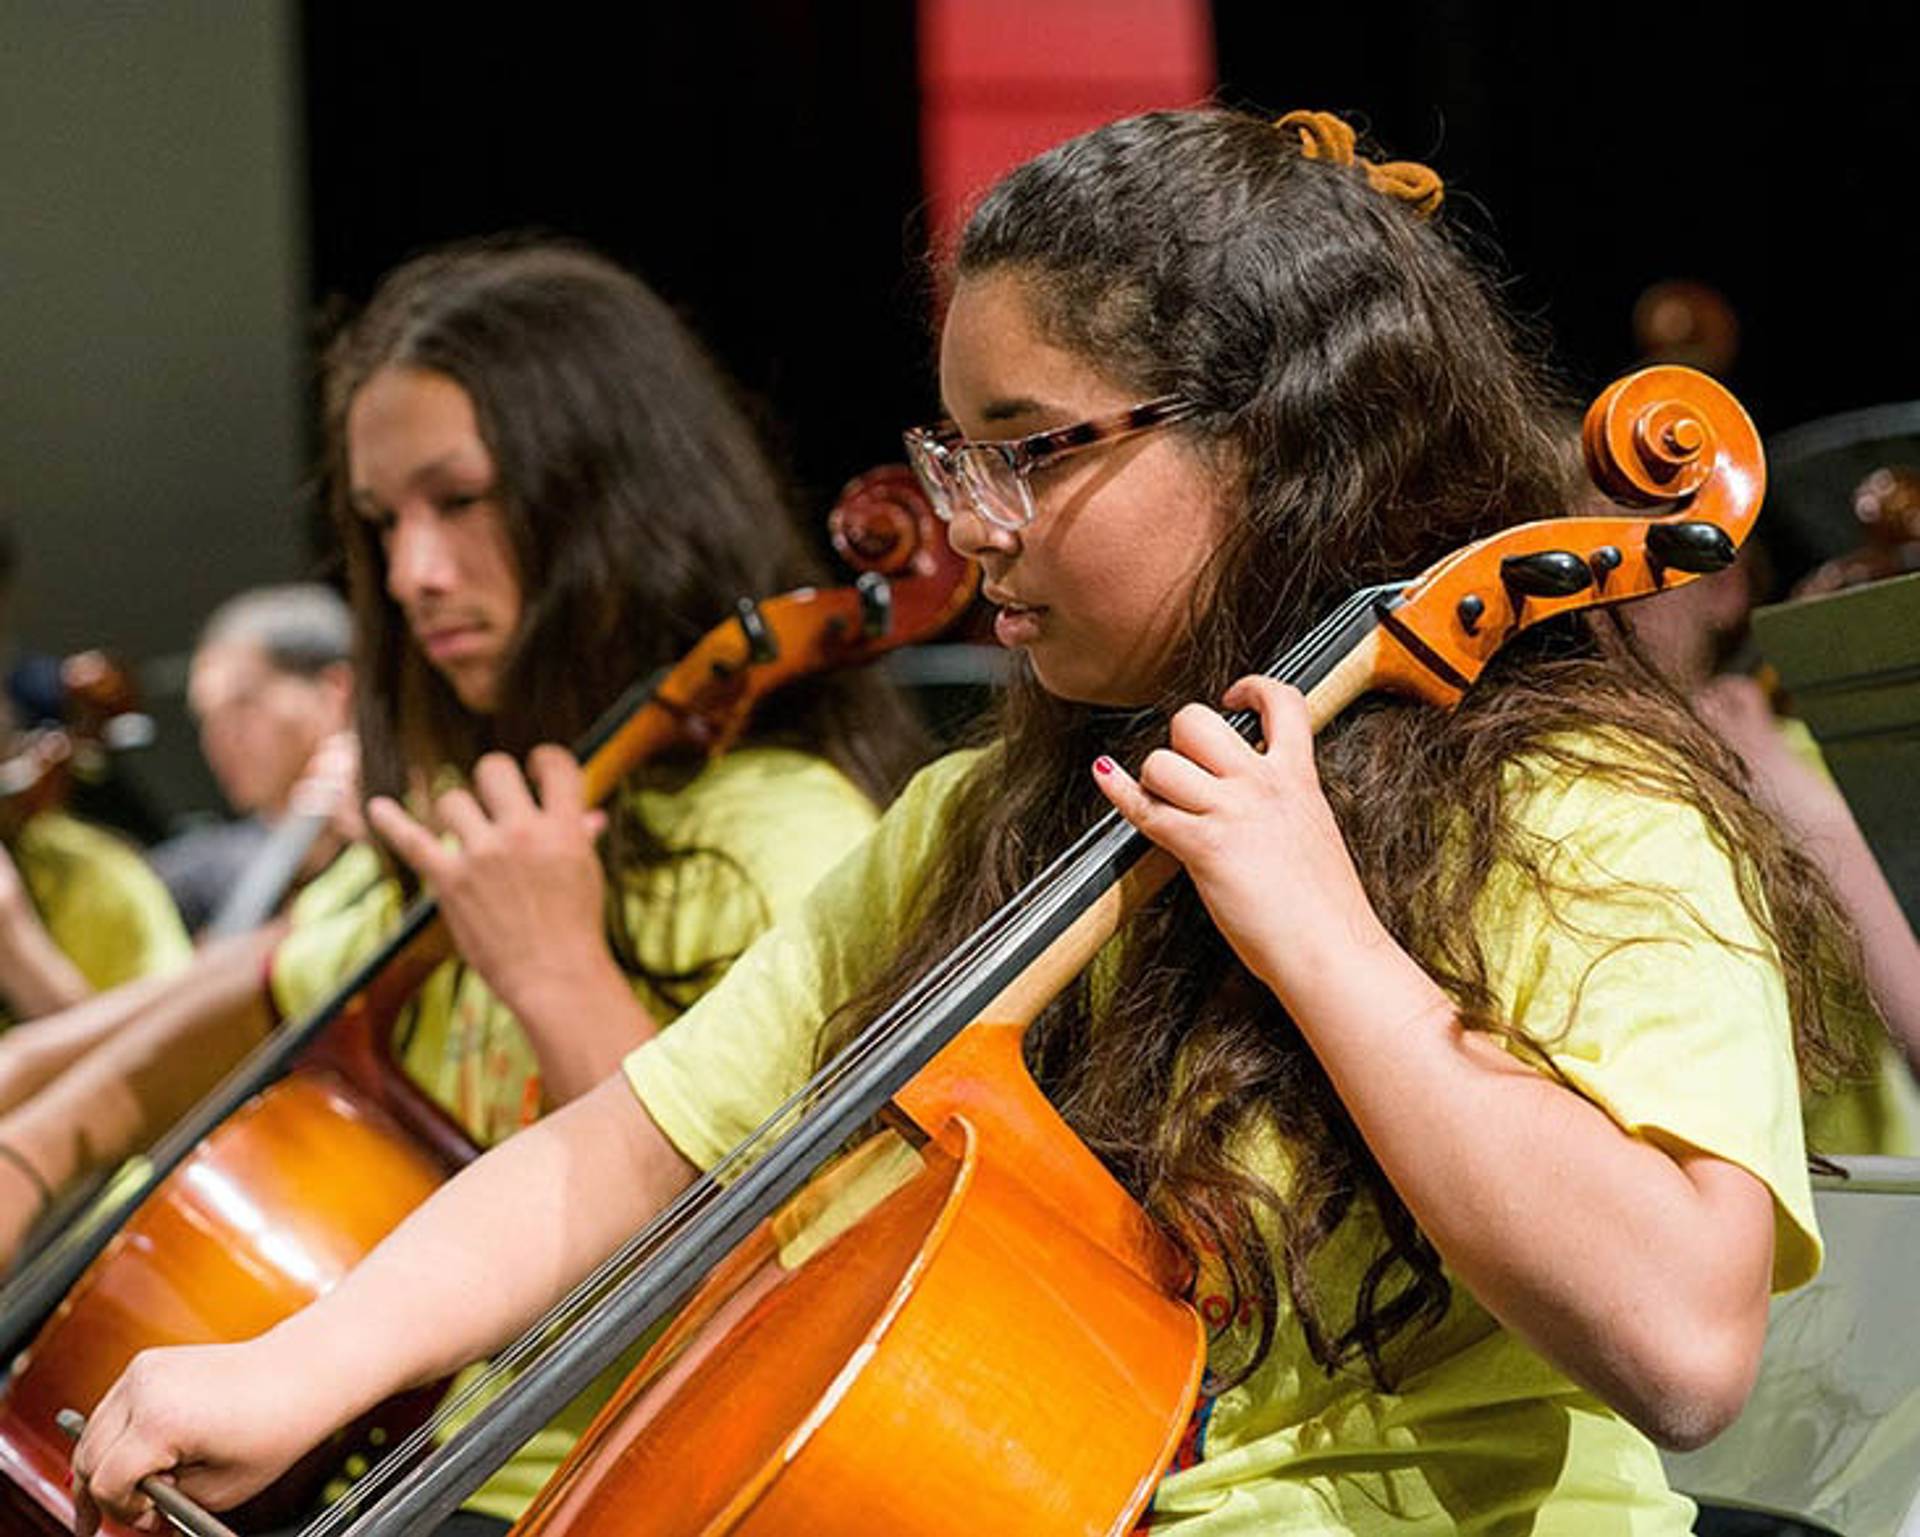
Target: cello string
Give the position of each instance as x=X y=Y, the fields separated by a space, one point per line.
x=1091 y=847
x=586 y=1296
x=875 y=1034
x=1005 y=929
x=664 y=1230
x=667 y=1225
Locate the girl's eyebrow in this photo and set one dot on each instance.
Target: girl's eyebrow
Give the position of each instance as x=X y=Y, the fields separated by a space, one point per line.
x=1012 y=409
x=362 y=498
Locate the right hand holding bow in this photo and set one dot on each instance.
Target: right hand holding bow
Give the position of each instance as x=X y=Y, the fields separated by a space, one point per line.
x=221 y=1422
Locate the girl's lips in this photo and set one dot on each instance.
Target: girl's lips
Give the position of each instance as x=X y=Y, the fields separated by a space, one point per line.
x=454 y=641
x=1015 y=625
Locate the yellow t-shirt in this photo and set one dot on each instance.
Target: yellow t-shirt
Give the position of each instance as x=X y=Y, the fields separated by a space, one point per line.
x=100 y=903
x=1674 y=1029
x=751 y=832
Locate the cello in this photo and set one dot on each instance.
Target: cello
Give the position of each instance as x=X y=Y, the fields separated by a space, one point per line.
x=879 y=1337
x=100 y=714
x=316 y=1145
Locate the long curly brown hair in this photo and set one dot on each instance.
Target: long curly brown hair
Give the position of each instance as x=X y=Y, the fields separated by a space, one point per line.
x=1370 y=410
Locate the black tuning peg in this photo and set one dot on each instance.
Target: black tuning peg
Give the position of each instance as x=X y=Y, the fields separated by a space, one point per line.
x=876 y=604
x=1694 y=547
x=1548 y=574
x=761 y=646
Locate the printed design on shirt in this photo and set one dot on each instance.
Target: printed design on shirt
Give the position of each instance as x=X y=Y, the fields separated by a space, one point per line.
x=489 y=1063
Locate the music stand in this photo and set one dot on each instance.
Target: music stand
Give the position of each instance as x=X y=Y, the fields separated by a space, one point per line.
x=1851 y=661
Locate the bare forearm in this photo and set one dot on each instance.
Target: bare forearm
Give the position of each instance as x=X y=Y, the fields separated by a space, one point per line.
x=35 y=974
x=148 y=1064
x=1814 y=810
x=1606 y=1252
x=1832 y=839
x=40 y=1050
x=582 y=1024
x=443 y=1290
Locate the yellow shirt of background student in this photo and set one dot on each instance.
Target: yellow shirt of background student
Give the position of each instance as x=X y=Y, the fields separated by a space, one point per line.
x=100 y=904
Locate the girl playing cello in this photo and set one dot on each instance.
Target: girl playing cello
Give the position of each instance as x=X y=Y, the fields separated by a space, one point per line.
x=546 y=493
x=1464 y=1066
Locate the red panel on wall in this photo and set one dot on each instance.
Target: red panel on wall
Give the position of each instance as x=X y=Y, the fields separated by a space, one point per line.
x=1002 y=79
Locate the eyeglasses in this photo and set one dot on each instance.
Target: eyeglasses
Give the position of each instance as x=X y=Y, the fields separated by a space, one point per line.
x=992 y=477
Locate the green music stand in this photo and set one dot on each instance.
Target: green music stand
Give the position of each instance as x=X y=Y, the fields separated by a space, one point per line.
x=1851 y=662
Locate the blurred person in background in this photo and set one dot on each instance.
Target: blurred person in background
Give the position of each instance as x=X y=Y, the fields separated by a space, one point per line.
x=271 y=687
x=1697 y=636
x=79 y=910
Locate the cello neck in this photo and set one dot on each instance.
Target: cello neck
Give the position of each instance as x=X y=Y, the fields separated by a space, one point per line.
x=268 y=877
x=1018 y=960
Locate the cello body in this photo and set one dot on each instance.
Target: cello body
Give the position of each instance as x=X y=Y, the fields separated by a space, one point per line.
x=270 y=1211
x=288 y=1192
x=969 y=1327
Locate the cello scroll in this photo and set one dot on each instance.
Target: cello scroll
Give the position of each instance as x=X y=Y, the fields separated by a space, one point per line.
x=1662 y=437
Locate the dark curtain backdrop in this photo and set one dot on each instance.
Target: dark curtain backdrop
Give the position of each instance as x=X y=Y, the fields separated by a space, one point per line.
x=1604 y=148
x=756 y=160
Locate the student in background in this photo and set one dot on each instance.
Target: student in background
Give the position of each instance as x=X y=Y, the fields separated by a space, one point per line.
x=271 y=688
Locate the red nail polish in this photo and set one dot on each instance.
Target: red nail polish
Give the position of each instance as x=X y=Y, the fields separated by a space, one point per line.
x=1103 y=765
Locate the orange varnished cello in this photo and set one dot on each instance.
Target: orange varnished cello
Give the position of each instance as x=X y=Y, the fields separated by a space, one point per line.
x=965 y=1324
x=262 y=1200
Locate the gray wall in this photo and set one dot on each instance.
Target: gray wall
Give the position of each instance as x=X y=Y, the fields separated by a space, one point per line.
x=152 y=367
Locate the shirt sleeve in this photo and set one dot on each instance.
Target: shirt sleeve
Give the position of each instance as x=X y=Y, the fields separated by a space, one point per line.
x=731 y=1060
x=102 y=906
x=338 y=919
x=1639 y=968
x=751 y=835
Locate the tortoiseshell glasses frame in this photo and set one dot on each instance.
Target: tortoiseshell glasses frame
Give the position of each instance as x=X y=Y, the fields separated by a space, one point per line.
x=992 y=476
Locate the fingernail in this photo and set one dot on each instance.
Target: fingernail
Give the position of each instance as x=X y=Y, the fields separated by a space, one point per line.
x=1103 y=765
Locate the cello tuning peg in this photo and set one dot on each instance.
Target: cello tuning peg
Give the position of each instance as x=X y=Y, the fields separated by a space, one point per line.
x=876 y=604
x=1699 y=548
x=761 y=646
x=1603 y=562
x=1546 y=574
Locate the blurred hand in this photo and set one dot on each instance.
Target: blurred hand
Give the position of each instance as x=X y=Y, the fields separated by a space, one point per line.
x=329 y=786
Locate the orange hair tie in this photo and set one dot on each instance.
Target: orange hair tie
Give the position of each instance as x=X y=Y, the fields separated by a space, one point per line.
x=1326 y=137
